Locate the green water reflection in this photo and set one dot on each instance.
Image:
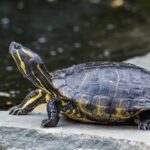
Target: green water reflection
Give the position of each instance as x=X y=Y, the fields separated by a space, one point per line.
x=66 y=33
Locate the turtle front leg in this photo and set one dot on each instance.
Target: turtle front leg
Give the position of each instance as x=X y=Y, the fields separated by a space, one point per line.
x=32 y=100
x=145 y=121
x=53 y=110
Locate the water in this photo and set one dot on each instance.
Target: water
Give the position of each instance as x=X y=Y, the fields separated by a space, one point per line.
x=66 y=33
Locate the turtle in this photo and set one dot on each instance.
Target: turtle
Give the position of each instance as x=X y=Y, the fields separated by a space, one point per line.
x=100 y=92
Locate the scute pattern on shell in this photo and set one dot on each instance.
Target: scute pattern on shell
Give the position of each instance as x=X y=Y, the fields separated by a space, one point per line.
x=102 y=78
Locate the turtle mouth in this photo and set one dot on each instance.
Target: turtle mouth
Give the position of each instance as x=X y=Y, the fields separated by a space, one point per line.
x=13 y=47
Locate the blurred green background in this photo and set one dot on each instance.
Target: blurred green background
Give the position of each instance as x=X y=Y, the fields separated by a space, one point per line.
x=67 y=32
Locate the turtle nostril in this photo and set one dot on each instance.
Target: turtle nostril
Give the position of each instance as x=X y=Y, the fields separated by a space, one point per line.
x=14 y=46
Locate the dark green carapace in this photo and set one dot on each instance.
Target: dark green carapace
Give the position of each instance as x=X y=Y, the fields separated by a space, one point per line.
x=95 y=92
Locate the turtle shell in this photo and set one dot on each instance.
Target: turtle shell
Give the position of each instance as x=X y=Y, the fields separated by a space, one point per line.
x=105 y=90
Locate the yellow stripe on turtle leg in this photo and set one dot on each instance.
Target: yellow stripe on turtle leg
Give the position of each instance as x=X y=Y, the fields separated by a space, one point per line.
x=47 y=97
x=32 y=100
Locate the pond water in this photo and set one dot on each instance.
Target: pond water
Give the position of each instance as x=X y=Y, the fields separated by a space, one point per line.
x=66 y=33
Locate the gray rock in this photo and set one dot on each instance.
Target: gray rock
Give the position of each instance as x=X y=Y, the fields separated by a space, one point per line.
x=25 y=132
x=17 y=138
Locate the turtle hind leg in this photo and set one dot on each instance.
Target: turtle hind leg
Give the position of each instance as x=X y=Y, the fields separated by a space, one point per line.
x=144 y=123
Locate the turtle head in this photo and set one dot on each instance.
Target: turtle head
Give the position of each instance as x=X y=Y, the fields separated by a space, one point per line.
x=31 y=66
x=24 y=57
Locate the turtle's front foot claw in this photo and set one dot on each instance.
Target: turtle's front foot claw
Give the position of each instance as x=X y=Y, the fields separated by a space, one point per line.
x=46 y=123
x=16 y=111
x=144 y=125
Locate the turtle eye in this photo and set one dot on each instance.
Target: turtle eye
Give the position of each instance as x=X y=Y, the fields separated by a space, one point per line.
x=17 y=46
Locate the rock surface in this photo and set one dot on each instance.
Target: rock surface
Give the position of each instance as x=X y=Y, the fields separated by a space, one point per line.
x=25 y=132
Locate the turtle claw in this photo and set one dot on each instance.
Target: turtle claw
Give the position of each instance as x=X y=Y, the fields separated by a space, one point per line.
x=144 y=125
x=12 y=109
x=46 y=123
x=16 y=111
